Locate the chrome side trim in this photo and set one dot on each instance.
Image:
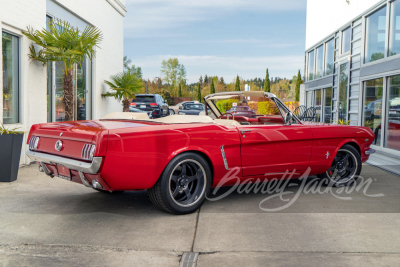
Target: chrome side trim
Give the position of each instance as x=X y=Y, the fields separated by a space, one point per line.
x=370 y=151
x=91 y=168
x=224 y=158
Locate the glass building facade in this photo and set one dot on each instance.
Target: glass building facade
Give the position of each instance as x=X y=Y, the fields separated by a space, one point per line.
x=359 y=82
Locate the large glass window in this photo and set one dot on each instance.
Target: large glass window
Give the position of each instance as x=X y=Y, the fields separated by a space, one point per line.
x=81 y=91
x=392 y=133
x=320 y=62
x=373 y=92
x=343 y=89
x=375 y=35
x=394 y=45
x=329 y=54
x=328 y=106
x=49 y=81
x=318 y=105
x=346 y=38
x=310 y=70
x=10 y=78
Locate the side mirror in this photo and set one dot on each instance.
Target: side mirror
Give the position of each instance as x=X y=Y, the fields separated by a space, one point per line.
x=289 y=118
x=180 y=107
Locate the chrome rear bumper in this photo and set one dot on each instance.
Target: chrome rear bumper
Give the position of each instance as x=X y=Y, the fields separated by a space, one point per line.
x=370 y=151
x=85 y=167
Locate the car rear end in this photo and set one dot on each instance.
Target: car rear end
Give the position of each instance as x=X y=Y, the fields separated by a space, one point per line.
x=147 y=103
x=73 y=151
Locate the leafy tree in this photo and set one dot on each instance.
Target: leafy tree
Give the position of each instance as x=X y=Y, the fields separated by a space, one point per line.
x=212 y=87
x=201 y=80
x=267 y=84
x=125 y=85
x=174 y=72
x=205 y=79
x=68 y=47
x=199 y=92
x=297 y=88
x=221 y=81
x=127 y=62
x=180 y=90
x=237 y=85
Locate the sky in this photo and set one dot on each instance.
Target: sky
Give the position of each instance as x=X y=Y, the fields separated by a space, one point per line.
x=217 y=37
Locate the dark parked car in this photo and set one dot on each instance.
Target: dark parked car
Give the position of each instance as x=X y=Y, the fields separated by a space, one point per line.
x=154 y=104
x=191 y=109
x=244 y=111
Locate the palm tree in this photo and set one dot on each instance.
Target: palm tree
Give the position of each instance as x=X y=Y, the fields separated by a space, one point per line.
x=66 y=46
x=125 y=85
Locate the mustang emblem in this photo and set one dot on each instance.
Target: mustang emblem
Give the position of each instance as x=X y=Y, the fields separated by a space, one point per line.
x=58 y=145
x=327 y=154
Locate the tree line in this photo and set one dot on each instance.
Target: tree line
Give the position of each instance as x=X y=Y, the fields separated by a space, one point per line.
x=173 y=83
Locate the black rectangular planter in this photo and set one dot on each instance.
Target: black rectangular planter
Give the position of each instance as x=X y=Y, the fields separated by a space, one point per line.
x=10 y=153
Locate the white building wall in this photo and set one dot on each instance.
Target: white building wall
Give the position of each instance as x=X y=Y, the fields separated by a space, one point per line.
x=326 y=16
x=17 y=15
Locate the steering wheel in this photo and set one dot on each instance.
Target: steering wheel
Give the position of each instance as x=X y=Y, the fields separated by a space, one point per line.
x=226 y=114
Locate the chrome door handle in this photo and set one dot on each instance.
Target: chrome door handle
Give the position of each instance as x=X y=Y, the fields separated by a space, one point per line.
x=244 y=131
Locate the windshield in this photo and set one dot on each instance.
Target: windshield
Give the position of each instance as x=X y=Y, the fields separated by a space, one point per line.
x=142 y=98
x=247 y=106
x=193 y=107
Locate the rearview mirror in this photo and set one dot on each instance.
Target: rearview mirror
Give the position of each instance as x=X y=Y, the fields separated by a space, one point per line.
x=289 y=118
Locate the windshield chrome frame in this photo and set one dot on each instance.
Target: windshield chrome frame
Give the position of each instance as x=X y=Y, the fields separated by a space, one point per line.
x=209 y=104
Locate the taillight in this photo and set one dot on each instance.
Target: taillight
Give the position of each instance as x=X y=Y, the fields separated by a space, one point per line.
x=88 y=151
x=133 y=104
x=33 y=143
x=154 y=104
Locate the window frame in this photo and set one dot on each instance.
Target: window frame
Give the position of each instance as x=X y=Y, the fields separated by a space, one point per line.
x=347 y=27
x=20 y=118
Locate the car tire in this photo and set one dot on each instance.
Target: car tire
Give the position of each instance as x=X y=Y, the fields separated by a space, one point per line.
x=345 y=168
x=183 y=185
x=171 y=112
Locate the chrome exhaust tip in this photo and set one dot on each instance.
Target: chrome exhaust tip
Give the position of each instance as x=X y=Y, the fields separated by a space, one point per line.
x=85 y=182
x=41 y=168
x=96 y=184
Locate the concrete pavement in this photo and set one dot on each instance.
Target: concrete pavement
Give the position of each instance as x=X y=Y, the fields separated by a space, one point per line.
x=52 y=222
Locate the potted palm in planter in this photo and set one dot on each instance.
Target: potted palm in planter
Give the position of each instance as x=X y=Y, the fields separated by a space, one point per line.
x=10 y=144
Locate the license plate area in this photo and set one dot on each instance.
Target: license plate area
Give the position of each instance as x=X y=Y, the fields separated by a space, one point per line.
x=142 y=106
x=64 y=172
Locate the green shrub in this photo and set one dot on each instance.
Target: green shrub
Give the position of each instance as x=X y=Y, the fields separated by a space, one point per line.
x=224 y=105
x=265 y=108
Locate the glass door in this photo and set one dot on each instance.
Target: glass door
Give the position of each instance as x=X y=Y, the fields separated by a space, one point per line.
x=327 y=105
x=318 y=105
x=59 y=92
x=342 y=104
x=82 y=91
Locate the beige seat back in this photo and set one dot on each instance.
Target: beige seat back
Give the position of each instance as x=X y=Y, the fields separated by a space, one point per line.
x=226 y=122
x=184 y=119
x=126 y=116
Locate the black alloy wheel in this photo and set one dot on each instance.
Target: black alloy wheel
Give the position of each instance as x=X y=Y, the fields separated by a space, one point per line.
x=345 y=168
x=183 y=186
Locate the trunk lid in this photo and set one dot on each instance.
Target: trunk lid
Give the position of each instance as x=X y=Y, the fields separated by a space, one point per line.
x=76 y=134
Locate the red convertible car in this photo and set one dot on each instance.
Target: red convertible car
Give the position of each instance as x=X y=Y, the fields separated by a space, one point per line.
x=178 y=159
